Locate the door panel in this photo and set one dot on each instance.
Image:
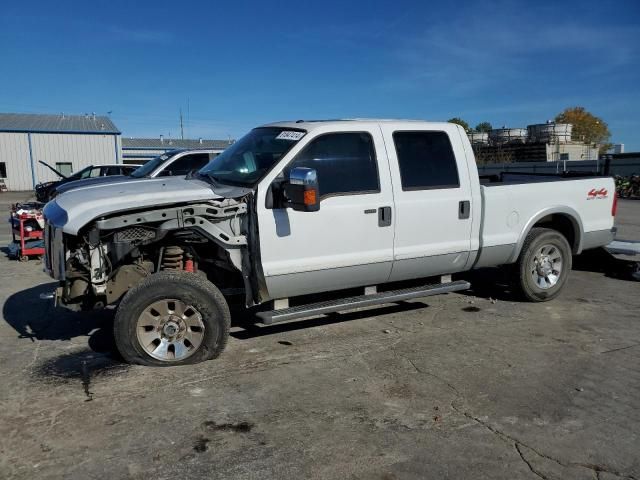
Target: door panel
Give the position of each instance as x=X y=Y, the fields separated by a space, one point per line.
x=342 y=244
x=433 y=228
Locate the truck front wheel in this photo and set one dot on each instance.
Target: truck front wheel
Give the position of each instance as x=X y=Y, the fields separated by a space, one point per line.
x=544 y=265
x=172 y=318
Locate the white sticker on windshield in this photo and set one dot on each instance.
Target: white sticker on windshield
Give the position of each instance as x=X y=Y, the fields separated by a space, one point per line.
x=291 y=135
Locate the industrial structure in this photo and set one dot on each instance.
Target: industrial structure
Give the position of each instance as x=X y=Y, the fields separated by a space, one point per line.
x=616 y=148
x=71 y=142
x=548 y=142
x=140 y=150
x=66 y=142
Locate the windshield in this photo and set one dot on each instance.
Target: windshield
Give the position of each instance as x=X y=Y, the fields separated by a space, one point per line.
x=84 y=173
x=250 y=158
x=146 y=169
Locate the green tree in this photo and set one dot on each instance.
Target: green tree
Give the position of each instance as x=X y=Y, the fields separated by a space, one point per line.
x=459 y=121
x=586 y=127
x=483 y=127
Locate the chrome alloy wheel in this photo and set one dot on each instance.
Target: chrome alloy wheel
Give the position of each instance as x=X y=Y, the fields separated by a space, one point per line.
x=546 y=266
x=170 y=330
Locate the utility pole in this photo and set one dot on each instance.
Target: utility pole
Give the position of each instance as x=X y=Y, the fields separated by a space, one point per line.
x=181 y=126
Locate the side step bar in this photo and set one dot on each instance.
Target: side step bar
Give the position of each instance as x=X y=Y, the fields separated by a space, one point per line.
x=293 y=313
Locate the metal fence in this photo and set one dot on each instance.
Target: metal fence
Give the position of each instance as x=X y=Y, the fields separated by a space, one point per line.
x=623 y=167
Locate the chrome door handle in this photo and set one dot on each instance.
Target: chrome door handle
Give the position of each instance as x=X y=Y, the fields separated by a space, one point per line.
x=464 y=209
x=384 y=216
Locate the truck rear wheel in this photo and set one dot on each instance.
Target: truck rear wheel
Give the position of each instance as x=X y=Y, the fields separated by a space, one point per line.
x=172 y=318
x=544 y=265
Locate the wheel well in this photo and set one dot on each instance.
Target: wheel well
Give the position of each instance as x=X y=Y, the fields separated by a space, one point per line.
x=563 y=224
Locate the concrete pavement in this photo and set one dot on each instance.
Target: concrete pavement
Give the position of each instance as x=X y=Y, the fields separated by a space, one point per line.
x=462 y=386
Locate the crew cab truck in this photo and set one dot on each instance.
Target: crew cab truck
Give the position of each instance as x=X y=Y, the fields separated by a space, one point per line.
x=299 y=208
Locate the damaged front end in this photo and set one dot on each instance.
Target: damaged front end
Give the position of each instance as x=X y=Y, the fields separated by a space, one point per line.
x=98 y=265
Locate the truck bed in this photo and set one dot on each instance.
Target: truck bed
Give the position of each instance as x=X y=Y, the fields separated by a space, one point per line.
x=513 y=203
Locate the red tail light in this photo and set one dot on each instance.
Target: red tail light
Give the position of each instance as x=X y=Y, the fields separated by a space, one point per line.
x=614 y=207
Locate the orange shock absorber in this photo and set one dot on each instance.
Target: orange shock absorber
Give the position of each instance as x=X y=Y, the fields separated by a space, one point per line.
x=188 y=264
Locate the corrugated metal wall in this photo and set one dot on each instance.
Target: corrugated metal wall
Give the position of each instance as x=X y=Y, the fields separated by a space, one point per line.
x=14 y=152
x=80 y=150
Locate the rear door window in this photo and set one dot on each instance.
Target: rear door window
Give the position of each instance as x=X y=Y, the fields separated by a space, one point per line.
x=426 y=160
x=108 y=171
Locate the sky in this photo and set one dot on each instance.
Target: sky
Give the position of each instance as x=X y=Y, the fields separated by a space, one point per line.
x=233 y=65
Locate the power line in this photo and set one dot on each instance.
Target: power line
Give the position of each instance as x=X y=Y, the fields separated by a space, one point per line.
x=181 y=126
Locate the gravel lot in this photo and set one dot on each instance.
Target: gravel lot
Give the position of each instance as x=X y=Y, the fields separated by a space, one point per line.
x=457 y=386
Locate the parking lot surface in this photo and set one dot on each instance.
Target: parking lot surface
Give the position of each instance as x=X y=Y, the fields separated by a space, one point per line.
x=475 y=385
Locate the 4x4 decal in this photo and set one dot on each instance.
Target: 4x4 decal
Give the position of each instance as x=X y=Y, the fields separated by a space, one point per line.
x=593 y=193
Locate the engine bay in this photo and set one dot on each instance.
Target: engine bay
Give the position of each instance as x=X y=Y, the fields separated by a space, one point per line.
x=113 y=254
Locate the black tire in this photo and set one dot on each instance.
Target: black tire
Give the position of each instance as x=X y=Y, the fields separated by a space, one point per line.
x=194 y=290
x=526 y=270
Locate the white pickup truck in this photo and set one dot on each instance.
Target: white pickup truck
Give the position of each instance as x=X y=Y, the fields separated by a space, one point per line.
x=293 y=209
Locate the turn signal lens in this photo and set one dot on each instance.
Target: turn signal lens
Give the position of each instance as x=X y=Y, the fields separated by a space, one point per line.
x=614 y=207
x=310 y=197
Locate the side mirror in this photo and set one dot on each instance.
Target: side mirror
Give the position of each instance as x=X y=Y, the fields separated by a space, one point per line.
x=302 y=190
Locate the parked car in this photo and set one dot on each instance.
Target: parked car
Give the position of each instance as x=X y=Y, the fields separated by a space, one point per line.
x=299 y=208
x=173 y=163
x=44 y=190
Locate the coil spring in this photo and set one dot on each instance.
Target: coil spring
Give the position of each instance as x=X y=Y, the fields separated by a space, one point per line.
x=172 y=258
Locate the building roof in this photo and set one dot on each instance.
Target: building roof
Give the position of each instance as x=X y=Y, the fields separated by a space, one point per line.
x=169 y=143
x=60 y=123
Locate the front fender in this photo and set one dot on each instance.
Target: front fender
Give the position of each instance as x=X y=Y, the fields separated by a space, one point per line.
x=55 y=214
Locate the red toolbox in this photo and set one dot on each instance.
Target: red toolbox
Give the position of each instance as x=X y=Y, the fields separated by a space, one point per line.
x=27 y=232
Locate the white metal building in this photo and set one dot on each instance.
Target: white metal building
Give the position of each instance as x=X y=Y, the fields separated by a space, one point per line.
x=140 y=150
x=66 y=142
x=574 y=151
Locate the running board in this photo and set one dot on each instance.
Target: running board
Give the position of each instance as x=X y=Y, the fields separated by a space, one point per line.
x=312 y=309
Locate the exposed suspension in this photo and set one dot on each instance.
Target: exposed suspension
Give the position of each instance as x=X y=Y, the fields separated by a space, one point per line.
x=175 y=258
x=172 y=258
